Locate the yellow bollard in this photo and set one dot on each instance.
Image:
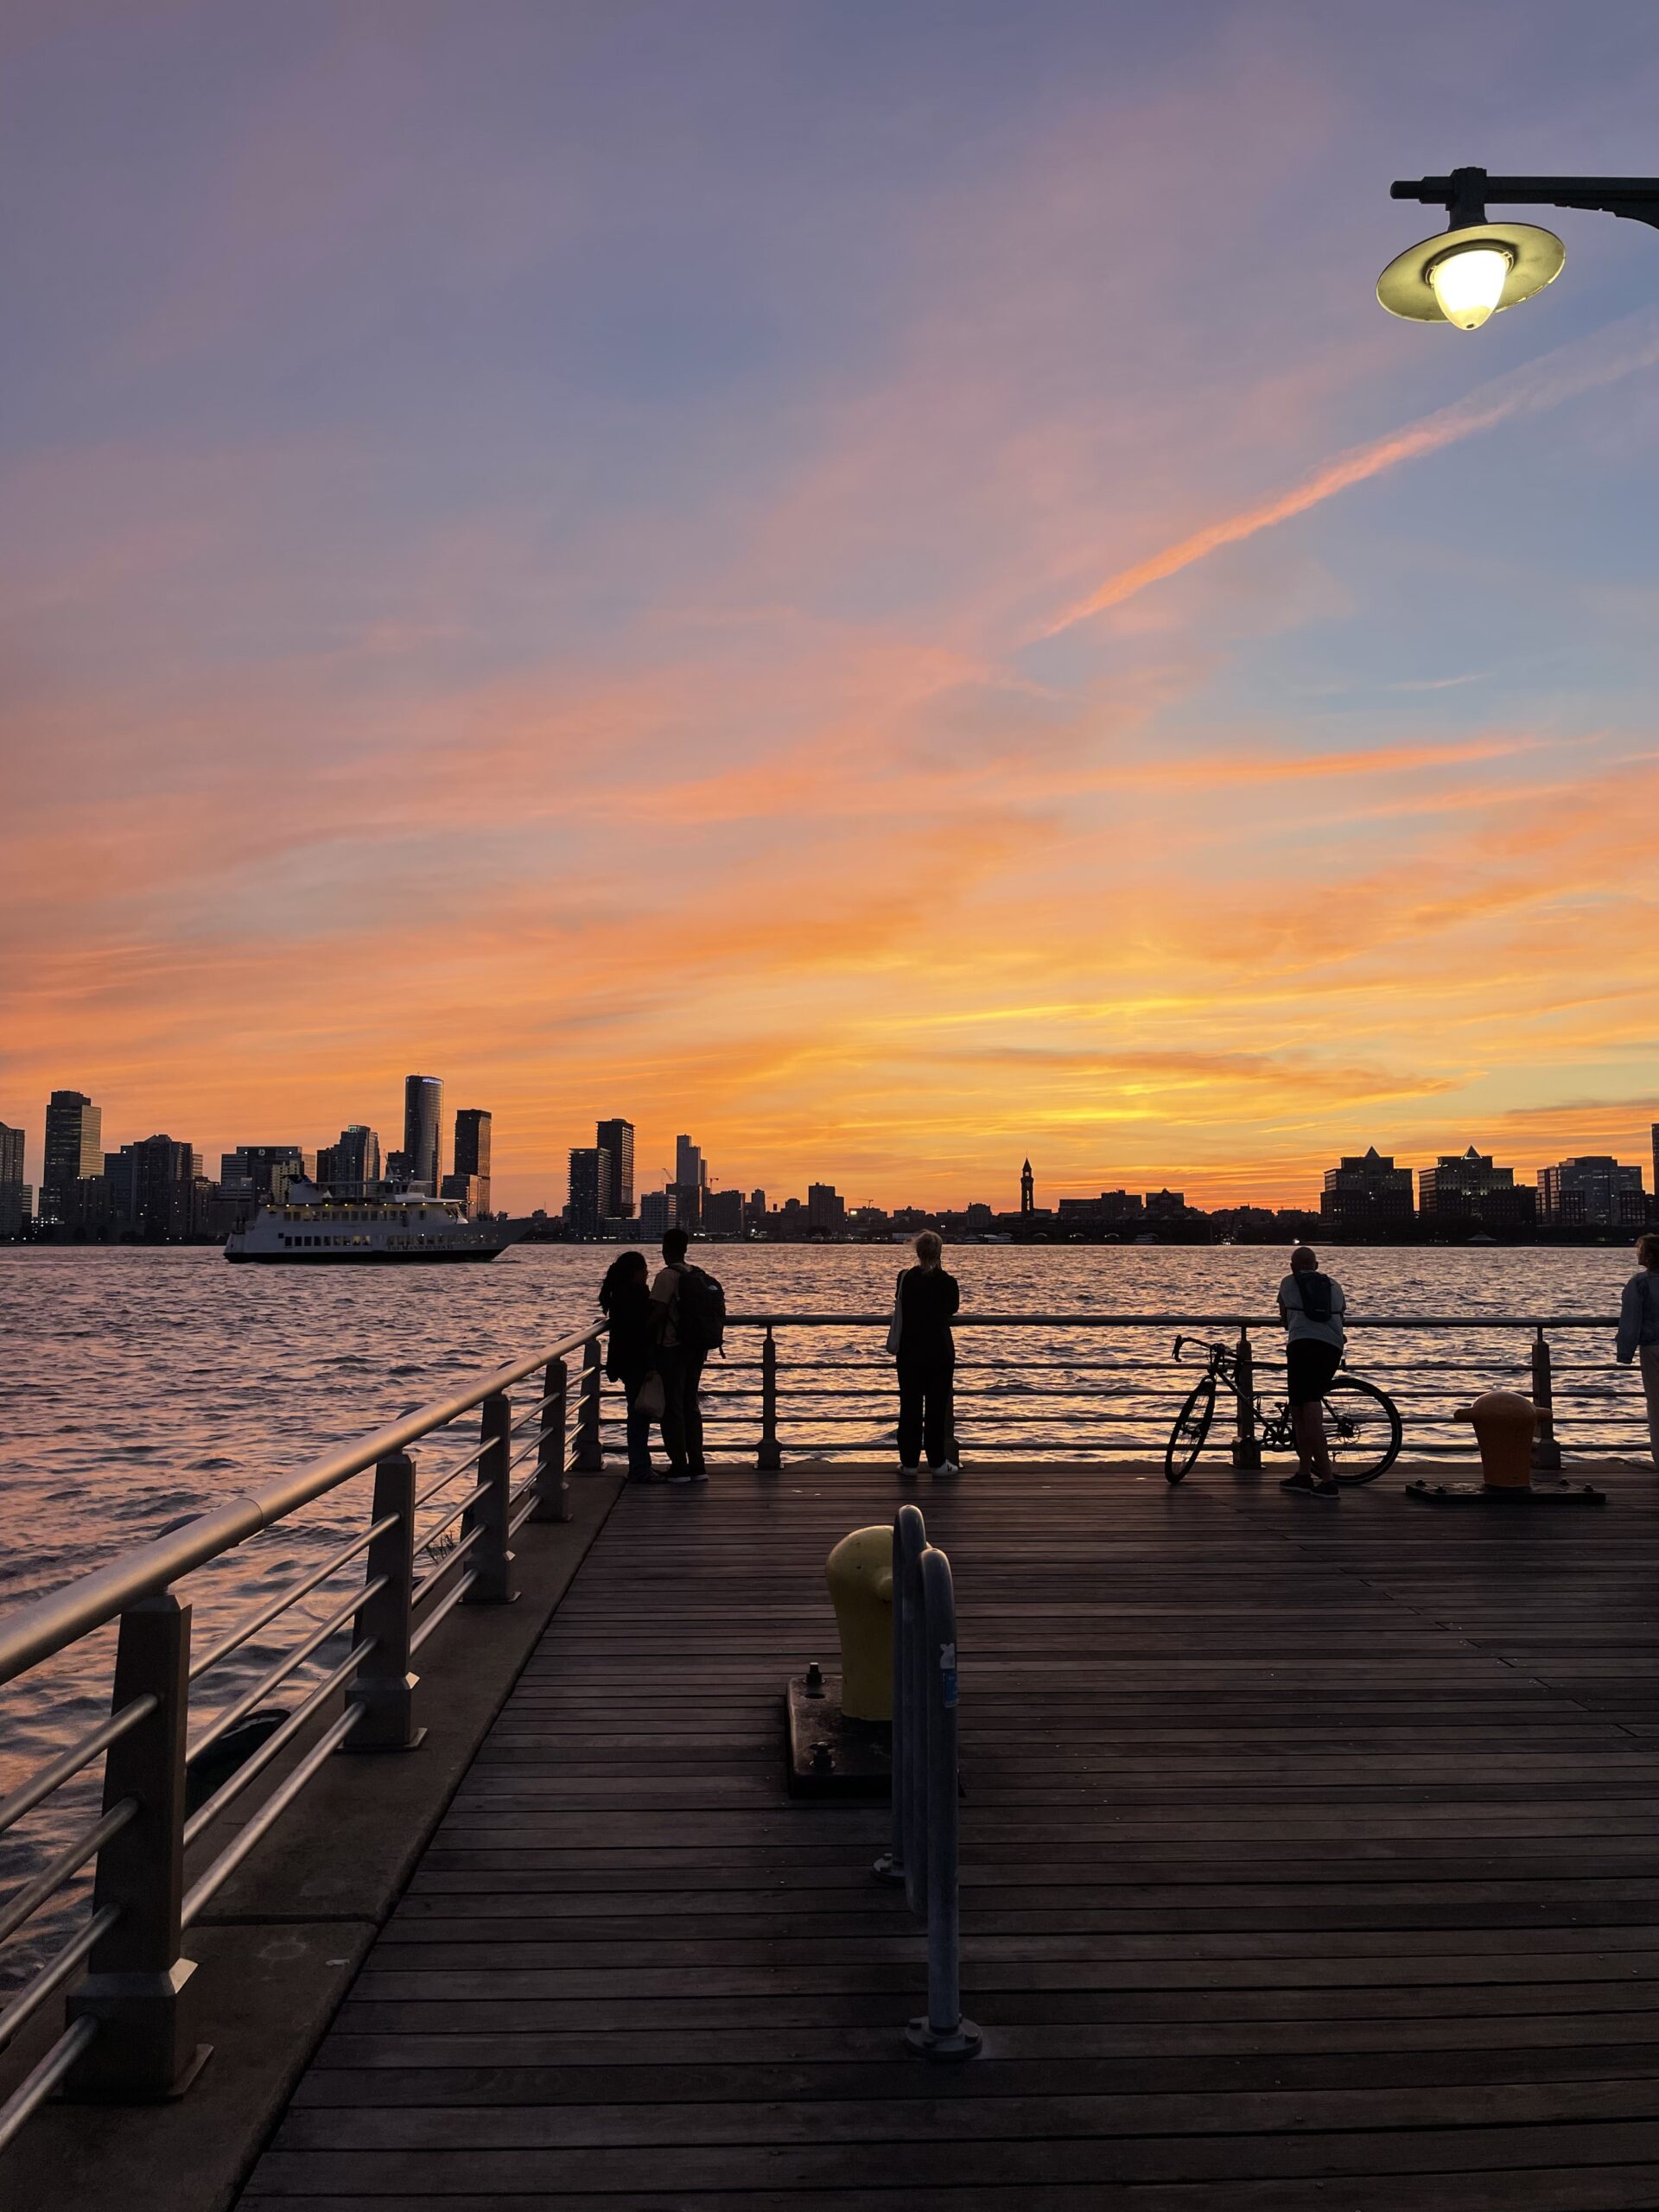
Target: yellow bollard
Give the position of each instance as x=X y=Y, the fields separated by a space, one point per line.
x=1504 y=1424
x=860 y=1574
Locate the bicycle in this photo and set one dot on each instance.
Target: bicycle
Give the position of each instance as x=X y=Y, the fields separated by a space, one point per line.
x=1361 y=1423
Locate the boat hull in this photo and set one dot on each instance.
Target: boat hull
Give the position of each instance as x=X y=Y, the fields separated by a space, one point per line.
x=349 y=1259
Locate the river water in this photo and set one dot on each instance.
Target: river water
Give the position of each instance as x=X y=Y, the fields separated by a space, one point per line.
x=138 y=1386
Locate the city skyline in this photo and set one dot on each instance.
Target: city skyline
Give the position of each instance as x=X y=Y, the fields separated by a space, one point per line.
x=607 y=1167
x=887 y=647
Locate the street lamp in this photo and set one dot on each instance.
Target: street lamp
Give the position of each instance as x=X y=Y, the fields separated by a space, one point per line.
x=1474 y=269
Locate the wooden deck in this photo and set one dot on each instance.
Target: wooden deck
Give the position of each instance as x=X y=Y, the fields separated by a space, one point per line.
x=1311 y=1857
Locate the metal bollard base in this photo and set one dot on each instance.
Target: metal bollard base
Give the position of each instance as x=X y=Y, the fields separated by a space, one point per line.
x=963 y=2041
x=828 y=1754
x=1506 y=1500
x=889 y=1869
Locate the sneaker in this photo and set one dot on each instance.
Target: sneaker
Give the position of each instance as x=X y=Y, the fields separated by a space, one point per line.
x=698 y=1475
x=1302 y=1484
x=681 y=1476
x=947 y=1467
x=910 y=1466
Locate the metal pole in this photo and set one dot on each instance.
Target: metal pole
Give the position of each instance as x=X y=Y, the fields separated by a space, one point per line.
x=552 y=1491
x=769 y=1459
x=491 y=1560
x=383 y=1684
x=138 y=1989
x=942 y=2033
x=1546 y=1450
x=1246 y=1451
x=909 y=1543
x=590 y=1455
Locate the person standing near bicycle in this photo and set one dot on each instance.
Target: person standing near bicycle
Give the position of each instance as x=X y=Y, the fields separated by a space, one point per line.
x=1310 y=1306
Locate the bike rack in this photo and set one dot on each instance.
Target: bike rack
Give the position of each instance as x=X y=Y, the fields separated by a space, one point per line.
x=925 y=1850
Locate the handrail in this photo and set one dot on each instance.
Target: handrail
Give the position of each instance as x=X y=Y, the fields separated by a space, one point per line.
x=35 y=1632
x=1350 y=1318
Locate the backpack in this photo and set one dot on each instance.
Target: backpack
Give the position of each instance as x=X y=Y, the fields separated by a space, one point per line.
x=701 y=1319
x=1314 y=1291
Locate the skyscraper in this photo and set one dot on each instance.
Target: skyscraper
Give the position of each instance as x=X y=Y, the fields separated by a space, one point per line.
x=690 y=1176
x=1592 y=1191
x=11 y=1180
x=350 y=1166
x=424 y=1131
x=472 y=1127
x=590 y=1175
x=154 y=1185
x=616 y=1138
x=74 y=1147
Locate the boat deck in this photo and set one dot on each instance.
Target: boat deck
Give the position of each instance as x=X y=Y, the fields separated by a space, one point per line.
x=1311 y=1857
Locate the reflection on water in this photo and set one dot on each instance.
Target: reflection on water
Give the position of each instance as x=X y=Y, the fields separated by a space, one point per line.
x=140 y=1386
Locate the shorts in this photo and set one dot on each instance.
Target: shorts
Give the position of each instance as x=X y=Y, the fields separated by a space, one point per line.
x=1309 y=1367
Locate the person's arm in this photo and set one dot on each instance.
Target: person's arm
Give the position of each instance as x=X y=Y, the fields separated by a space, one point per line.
x=662 y=1293
x=952 y=1299
x=1629 y=1321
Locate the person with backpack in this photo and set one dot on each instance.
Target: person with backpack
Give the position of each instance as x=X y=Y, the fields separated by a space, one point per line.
x=1638 y=1330
x=925 y=1303
x=1310 y=1306
x=688 y=1309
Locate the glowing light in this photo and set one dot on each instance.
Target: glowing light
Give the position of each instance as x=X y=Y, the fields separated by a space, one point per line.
x=1469 y=282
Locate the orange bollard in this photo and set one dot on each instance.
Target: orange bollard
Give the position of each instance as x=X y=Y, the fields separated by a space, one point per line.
x=1504 y=1424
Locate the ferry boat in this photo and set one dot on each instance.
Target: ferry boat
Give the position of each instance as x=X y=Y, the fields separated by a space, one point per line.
x=313 y=1228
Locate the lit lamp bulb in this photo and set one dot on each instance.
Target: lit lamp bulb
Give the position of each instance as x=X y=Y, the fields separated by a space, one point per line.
x=1469 y=282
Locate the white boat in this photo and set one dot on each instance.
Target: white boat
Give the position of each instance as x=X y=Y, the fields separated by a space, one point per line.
x=312 y=1227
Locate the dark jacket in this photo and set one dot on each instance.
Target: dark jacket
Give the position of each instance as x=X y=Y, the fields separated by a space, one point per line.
x=630 y=1348
x=928 y=1298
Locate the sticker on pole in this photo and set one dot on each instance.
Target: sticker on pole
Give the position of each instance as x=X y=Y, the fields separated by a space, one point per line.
x=948 y=1672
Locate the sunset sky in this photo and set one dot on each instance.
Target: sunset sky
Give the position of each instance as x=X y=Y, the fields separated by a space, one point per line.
x=866 y=580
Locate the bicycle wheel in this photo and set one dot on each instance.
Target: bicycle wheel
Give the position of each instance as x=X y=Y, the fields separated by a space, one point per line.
x=1362 y=1429
x=1192 y=1426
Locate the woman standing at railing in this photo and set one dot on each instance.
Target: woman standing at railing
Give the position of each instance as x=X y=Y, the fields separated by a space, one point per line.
x=624 y=1300
x=1638 y=1330
x=924 y=1307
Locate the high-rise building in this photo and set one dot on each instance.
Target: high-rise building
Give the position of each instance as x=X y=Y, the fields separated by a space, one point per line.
x=1656 y=1167
x=723 y=1212
x=658 y=1212
x=352 y=1167
x=825 y=1207
x=153 y=1189
x=472 y=1128
x=590 y=1175
x=1366 y=1190
x=690 y=1180
x=423 y=1132
x=754 y=1213
x=262 y=1172
x=616 y=1138
x=1466 y=1189
x=1027 y=1190
x=1592 y=1191
x=74 y=1147
x=11 y=1181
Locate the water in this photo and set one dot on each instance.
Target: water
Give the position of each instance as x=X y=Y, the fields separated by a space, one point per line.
x=140 y=1386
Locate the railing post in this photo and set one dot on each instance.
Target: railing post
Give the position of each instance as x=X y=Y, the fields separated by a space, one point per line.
x=383 y=1684
x=942 y=2032
x=491 y=1560
x=138 y=1989
x=552 y=1491
x=1246 y=1451
x=590 y=1455
x=901 y=1861
x=1545 y=1450
x=769 y=1459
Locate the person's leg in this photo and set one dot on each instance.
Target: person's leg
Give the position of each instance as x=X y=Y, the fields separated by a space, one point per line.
x=1308 y=1368
x=1649 y=1358
x=671 y=1367
x=639 y=1426
x=910 y=1414
x=938 y=1416
x=1307 y=1423
x=691 y=1411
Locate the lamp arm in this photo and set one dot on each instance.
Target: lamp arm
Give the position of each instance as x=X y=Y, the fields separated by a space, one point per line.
x=1466 y=192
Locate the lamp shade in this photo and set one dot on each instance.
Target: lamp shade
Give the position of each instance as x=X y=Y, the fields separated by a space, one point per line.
x=1408 y=287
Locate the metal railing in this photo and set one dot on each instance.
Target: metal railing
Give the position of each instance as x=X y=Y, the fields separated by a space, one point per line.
x=130 y=2030
x=1071 y=1391
x=923 y=1851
